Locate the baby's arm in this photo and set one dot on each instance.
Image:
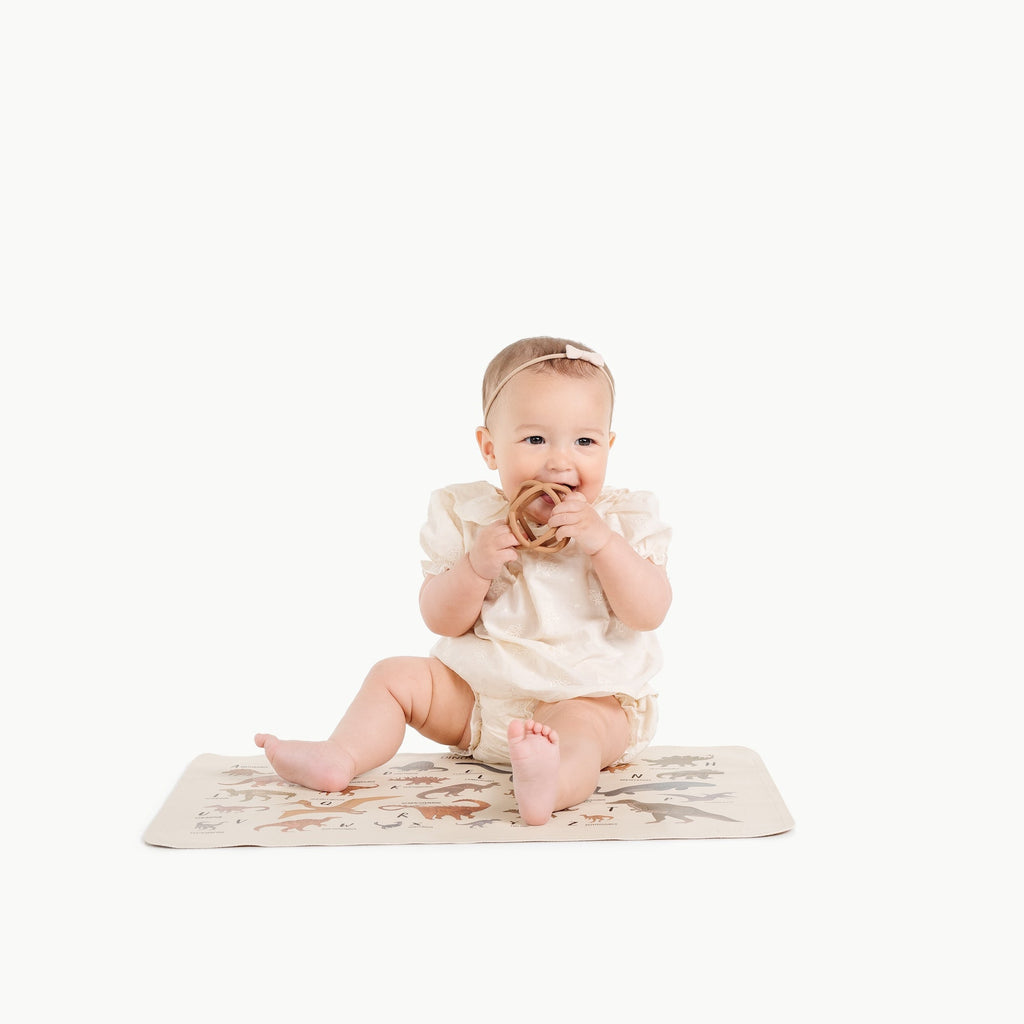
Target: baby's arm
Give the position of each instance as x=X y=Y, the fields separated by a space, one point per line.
x=451 y=601
x=637 y=589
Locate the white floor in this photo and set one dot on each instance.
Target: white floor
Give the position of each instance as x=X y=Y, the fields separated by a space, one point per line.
x=256 y=261
x=893 y=899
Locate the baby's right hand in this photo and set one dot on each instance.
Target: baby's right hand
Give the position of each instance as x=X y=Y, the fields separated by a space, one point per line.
x=494 y=547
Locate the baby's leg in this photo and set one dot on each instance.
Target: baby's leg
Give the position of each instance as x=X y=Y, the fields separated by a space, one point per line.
x=420 y=692
x=558 y=755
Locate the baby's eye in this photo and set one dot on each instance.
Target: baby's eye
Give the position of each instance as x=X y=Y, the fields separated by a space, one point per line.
x=535 y=439
x=585 y=442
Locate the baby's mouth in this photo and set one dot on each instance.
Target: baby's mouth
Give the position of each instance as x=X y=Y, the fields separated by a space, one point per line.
x=548 y=500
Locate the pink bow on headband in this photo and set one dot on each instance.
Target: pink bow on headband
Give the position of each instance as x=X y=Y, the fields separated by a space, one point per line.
x=571 y=352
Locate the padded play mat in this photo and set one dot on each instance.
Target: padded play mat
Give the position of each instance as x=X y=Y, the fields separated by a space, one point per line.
x=668 y=793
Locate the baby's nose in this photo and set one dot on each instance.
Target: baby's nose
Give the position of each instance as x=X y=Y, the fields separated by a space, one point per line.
x=559 y=460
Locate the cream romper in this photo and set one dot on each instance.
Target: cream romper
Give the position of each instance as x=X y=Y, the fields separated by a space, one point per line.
x=546 y=631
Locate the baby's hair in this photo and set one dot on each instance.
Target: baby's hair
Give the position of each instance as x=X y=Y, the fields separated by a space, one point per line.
x=520 y=352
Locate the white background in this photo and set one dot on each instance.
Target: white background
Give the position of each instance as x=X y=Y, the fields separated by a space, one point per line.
x=255 y=258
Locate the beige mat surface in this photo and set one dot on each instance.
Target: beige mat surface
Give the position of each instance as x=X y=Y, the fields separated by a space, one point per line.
x=669 y=793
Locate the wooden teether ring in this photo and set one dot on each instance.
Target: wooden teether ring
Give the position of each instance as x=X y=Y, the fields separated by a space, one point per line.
x=522 y=530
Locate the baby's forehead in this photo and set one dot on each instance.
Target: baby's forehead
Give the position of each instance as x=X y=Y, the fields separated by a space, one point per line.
x=530 y=379
x=555 y=395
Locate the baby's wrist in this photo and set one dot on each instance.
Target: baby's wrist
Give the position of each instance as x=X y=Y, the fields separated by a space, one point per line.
x=476 y=572
x=602 y=544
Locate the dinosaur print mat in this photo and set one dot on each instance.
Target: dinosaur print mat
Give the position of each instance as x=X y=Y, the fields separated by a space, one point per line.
x=669 y=793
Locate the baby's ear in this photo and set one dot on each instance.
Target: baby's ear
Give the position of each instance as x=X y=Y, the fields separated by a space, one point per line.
x=611 y=439
x=486 y=443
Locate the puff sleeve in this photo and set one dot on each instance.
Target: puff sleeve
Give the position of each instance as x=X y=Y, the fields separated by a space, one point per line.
x=635 y=515
x=454 y=517
x=441 y=536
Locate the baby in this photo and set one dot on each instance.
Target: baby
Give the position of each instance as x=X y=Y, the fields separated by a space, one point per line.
x=545 y=659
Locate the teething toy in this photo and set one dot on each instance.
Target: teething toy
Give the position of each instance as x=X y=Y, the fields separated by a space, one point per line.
x=517 y=518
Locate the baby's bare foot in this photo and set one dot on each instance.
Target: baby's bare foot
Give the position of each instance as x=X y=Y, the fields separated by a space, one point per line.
x=533 y=749
x=315 y=765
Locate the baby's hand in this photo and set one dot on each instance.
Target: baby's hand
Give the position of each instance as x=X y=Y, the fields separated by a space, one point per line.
x=576 y=518
x=494 y=547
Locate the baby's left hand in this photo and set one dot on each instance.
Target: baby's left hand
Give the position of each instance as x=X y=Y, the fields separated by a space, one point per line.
x=576 y=518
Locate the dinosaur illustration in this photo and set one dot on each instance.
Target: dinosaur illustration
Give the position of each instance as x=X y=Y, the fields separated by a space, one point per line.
x=229 y=808
x=681 y=760
x=434 y=812
x=642 y=787
x=701 y=797
x=458 y=788
x=618 y=768
x=599 y=817
x=268 y=780
x=348 y=807
x=420 y=766
x=250 y=794
x=299 y=825
x=480 y=823
x=418 y=780
x=392 y=824
x=659 y=812
x=349 y=790
x=703 y=773
x=474 y=765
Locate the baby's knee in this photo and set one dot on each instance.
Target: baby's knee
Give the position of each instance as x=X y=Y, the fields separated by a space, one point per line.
x=406 y=679
x=399 y=672
x=601 y=719
x=597 y=710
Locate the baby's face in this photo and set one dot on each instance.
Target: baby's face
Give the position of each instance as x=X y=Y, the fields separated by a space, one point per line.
x=551 y=428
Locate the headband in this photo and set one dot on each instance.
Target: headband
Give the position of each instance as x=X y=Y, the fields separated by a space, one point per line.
x=571 y=352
